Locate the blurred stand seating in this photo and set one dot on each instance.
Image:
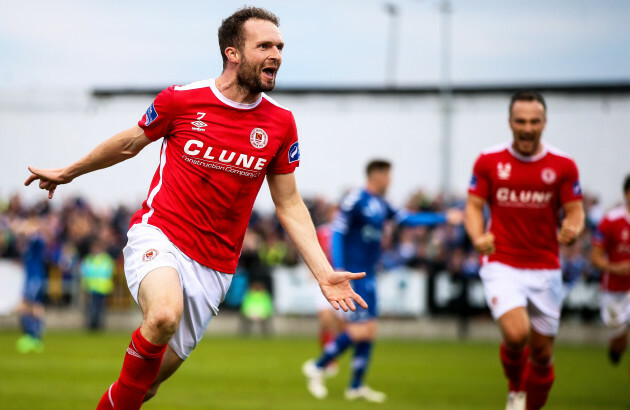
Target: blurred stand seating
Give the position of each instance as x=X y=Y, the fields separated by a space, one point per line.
x=433 y=270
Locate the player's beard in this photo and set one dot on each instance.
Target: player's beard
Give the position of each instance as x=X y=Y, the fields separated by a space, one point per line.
x=249 y=78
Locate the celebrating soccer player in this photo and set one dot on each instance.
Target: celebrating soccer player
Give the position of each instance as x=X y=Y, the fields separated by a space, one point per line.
x=356 y=244
x=220 y=139
x=525 y=184
x=611 y=254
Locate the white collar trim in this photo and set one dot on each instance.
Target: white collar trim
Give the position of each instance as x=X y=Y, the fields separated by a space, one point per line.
x=227 y=101
x=524 y=158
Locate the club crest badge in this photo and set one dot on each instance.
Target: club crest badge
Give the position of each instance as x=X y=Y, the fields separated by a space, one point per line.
x=149 y=255
x=548 y=176
x=258 y=138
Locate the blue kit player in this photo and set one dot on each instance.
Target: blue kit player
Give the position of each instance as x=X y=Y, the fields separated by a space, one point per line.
x=31 y=309
x=356 y=245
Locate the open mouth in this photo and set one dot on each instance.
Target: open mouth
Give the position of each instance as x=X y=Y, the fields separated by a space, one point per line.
x=269 y=72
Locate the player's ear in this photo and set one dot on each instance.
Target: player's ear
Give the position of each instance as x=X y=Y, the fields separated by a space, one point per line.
x=233 y=55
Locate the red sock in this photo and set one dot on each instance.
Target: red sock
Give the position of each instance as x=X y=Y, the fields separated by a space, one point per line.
x=140 y=367
x=537 y=381
x=514 y=365
x=325 y=336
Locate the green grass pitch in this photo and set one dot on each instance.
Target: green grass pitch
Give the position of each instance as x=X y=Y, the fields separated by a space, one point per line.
x=257 y=373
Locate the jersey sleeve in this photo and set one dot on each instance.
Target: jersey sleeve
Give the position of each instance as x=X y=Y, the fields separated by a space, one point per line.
x=156 y=122
x=570 y=189
x=479 y=182
x=288 y=156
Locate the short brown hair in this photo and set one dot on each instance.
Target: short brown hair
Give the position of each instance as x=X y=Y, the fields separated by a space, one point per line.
x=231 y=30
x=527 y=95
x=377 y=165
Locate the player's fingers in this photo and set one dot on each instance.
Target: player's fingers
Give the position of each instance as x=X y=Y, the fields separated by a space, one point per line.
x=359 y=300
x=334 y=304
x=355 y=275
x=51 y=193
x=342 y=304
x=44 y=183
x=350 y=304
x=30 y=179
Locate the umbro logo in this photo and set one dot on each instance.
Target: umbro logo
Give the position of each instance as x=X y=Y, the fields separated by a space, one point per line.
x=199 y=125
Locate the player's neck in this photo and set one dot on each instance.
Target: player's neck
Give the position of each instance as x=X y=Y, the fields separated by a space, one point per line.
x=228 y=86
x=527 y=156
x=373 y=190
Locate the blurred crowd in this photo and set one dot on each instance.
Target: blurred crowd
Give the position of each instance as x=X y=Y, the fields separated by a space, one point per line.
x=81 y=241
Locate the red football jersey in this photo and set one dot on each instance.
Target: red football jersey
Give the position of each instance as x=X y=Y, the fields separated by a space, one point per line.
x=613 y=235
x=324 y=237
x=214 y=157
x=525 y=195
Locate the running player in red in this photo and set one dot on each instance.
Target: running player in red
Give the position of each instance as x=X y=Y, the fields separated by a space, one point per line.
x=611 y=254
x=220 y=139
x=526 y=185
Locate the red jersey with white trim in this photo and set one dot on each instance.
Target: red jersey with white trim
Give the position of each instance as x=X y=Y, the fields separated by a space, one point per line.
x=214 y=157
x=613 y=235
x=525 y=195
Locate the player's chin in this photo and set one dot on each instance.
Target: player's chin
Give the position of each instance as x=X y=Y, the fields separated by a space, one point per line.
x=526 y=147
x=267 y=84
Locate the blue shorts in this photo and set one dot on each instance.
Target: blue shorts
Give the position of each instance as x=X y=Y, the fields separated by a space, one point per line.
x=366 y=288
x=34 y=289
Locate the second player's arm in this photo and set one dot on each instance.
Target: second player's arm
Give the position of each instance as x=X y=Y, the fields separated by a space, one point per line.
x=475 y=226
x=600 y=261
x=296 y=220
x=122 y=146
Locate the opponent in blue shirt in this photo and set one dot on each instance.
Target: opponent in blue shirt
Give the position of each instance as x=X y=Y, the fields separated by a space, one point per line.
x=356 y=246
x=31 y=309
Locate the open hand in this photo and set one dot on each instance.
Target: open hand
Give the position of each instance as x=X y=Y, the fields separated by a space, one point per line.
x=336 y=288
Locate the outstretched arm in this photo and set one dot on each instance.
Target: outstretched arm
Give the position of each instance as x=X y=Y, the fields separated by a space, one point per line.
x=122 y=146
x=295 y=219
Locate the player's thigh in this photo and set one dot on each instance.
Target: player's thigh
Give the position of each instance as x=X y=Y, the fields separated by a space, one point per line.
x=515 y=327
x=503 y=287
x=362 y=331
x=161 y=290
x=152 y=273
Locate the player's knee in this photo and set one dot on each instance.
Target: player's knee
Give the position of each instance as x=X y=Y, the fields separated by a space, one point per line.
x=516 y=338
x=164 y=321
x=541 y=354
